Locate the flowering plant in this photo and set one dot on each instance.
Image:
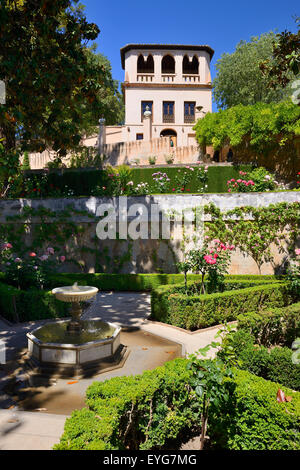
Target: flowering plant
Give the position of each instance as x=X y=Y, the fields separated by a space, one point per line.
x=212 y=259
x=141 y=188
x=259 y=180
x=29 y=271
x=183 y=178
x=161 y=182
x=240 y=186
x=202 y=177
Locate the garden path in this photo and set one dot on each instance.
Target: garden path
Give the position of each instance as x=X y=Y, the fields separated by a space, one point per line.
x=39 y=430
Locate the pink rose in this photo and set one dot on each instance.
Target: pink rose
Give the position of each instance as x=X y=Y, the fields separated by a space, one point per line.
x=8 y=246
x=297 y=251
x=62 y=259
x=32 y=254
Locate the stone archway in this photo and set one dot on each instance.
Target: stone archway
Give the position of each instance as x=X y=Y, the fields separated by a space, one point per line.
x=172 y=136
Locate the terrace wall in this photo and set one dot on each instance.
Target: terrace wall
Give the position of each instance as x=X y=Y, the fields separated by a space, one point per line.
x=141 y=256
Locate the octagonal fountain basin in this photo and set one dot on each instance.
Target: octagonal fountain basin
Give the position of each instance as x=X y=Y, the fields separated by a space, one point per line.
x=95 y=347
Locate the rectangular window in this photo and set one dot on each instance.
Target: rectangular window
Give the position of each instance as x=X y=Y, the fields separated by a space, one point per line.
x=139 y=136
x=168 y=111
x=189 y=111
x=144 y=107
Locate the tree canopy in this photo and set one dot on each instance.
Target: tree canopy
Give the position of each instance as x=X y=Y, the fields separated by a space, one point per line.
x=261 y=125
x=239 y=79
x=286 y=58
x=55 y=86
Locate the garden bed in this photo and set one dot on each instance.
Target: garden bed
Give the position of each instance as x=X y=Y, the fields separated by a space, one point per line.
x=83 y=182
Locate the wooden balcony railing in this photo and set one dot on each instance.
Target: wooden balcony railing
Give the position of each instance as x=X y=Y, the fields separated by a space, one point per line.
x=168 y=118
x=189 y=119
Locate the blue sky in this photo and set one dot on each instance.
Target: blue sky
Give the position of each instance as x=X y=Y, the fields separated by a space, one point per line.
x=220 y=24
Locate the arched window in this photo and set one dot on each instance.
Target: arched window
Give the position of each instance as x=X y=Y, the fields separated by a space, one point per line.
x=190 y=67
x=168 y=64
x=145 y=66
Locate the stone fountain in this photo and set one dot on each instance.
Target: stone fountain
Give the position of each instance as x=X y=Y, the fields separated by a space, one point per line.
x=73 y=347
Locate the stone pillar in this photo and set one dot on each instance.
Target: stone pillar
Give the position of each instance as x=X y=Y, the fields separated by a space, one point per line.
x=102 y=135
x=147 y=121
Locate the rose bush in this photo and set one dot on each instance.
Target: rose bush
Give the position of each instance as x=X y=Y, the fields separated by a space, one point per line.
x=211 y=260
x=31 y=270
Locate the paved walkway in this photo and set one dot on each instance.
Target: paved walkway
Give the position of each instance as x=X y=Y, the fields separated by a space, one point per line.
x=133 y=309
x=127 y=309
x=29 y=431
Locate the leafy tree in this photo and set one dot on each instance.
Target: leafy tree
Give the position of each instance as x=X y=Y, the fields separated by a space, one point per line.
x=54 y=83
x=254 y=132
x=113 y=108
x=285 y=64
x=239 y=79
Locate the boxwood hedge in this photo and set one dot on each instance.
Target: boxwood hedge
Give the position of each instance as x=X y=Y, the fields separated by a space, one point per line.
x=36 y=304
x=33 y=304
x=272 y=326
x=158 y=408
x=200 y=311
x=142 y=282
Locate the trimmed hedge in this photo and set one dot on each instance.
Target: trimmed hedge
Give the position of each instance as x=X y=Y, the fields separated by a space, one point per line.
x=257 y=421
x=272 y=326
x=37 y=304
x=83 y=182
x=275 y=365
x=140 y=282
x=105 y=424
x=151 y=410
x=18 y=305
x=201 y=311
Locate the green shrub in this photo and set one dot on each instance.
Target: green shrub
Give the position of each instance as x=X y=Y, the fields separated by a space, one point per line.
x=275 y=364
x=144 y=282
x=201 y=311
x=149 y=411
x=136 y=412
x=8 y=296
x=33 y=304
x=257 y=421
x=273 y=326
x=84 y=182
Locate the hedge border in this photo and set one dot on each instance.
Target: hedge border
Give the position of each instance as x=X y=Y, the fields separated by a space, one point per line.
x=193 y=312
x=21 y=306
x=256 y=422
x=143 y=282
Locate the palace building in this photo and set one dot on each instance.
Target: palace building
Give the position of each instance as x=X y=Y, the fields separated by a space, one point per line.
x=173 y=83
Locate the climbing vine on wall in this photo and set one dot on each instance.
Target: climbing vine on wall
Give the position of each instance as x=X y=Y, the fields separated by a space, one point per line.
x=254 y=230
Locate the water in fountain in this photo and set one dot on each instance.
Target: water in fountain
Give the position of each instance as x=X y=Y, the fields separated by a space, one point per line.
x=57 y=333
